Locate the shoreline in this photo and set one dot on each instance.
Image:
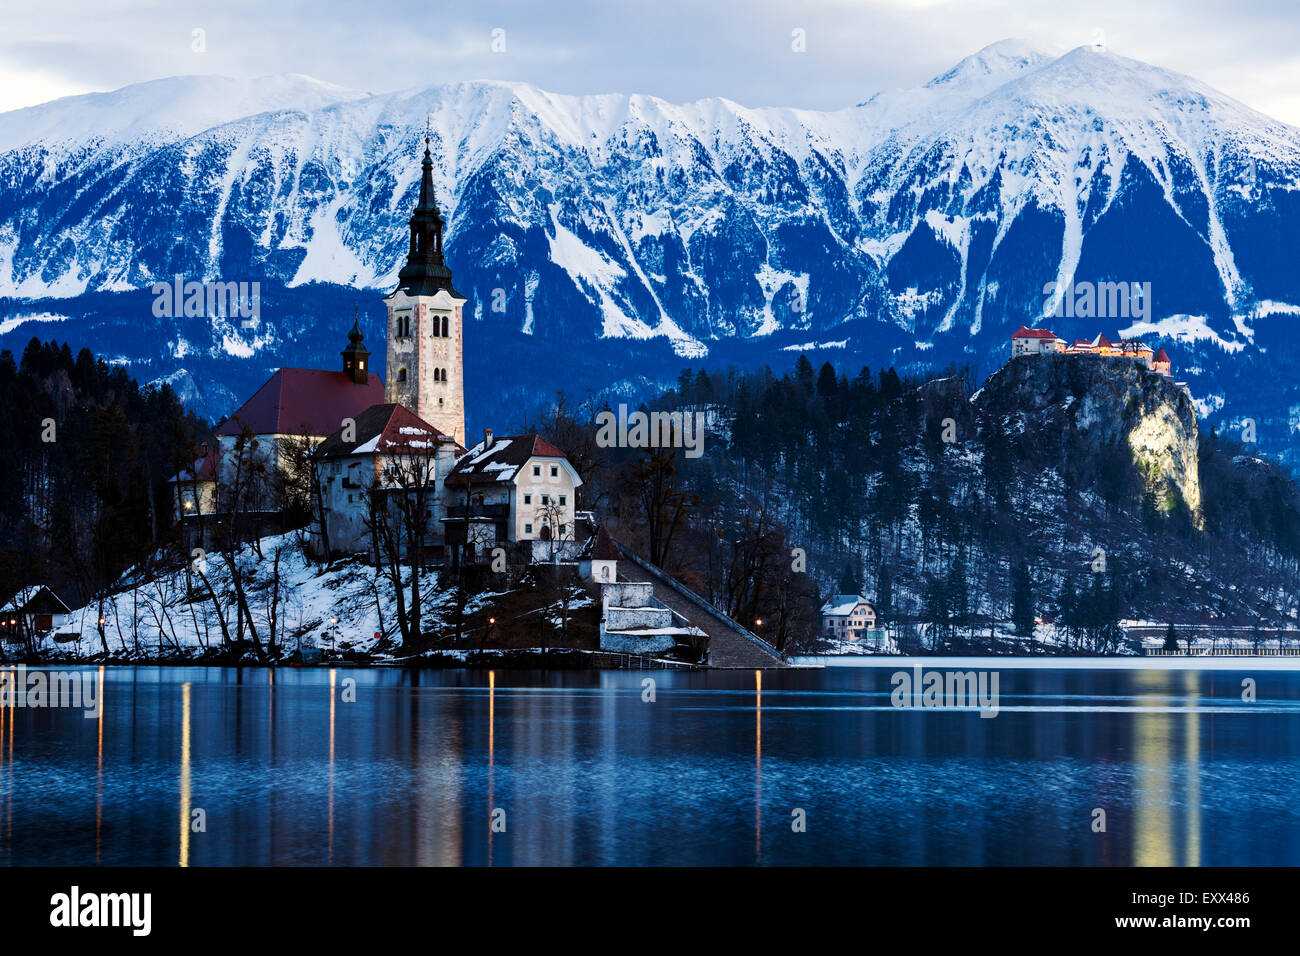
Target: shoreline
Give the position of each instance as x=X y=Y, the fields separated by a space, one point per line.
x=573 y=659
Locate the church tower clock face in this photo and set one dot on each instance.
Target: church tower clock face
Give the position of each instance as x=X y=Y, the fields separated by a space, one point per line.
x=425 y=370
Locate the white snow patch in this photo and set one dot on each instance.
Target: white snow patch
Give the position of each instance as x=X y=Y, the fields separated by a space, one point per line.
x=9 y=324
x=1182 y=328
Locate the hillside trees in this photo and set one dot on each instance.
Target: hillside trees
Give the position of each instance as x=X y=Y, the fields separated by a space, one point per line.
x=857 y=470
x=92 y=450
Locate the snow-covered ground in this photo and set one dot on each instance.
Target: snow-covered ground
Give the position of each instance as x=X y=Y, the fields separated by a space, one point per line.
x=345 y=606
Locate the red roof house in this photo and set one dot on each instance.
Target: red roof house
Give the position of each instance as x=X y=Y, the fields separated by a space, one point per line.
x=498 y=460
x=388 y=429
x=304 y=401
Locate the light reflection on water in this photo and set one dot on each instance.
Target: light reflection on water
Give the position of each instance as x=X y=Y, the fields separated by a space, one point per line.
x=342 y=766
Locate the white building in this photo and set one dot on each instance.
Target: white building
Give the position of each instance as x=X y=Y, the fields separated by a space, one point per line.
x=1026 y=341
x=847 y=617
x=288 y=416
x=388 y=452
x=598 y=560
x=516 y=488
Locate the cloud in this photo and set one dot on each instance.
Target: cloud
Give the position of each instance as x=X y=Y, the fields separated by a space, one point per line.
x=741 y=49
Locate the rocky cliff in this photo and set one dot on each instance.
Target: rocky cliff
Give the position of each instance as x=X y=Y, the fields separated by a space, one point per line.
x=1104 y=421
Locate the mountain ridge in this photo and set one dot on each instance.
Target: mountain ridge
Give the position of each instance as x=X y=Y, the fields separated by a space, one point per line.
x=918 y=227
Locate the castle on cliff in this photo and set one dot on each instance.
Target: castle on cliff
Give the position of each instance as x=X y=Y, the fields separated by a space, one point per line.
x=1027 y=341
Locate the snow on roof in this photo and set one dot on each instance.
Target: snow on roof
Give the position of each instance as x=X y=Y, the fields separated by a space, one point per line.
x=205 y=469
x=842 y=605
x=46 y=601
x=383 y=428
x=495 y=448
x=501 y=461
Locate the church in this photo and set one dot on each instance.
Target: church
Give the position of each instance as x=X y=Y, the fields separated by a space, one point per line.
x=369 y=441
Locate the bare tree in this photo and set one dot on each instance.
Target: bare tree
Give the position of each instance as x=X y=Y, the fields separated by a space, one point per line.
x=556 y=533
x=665 y=507
x=400 y=514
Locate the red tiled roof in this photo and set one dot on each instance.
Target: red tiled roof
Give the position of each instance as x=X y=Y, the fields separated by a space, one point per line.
x=297 y=401
x=1027 y=333
x=205 y=469
x=391 y=429
x=1101 y=342
x=542 y=448
x=604 y=549
x=502 y=461
x=1161 y=356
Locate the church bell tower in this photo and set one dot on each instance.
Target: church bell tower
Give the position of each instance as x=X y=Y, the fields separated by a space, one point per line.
x=425 y=370
x=356 y=356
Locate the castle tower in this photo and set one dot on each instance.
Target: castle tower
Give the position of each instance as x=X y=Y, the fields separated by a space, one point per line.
x=425 y=370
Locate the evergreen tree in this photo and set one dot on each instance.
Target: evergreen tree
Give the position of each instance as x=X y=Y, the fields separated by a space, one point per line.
x=1022 y=600
x=849 y=583
x=958 y=592
x=827 y=385
x=704 y=391
x=936 y=611
x=884 y=595
x=804 y=376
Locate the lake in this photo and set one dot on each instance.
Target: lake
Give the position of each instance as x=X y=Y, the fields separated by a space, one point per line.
x=244 y=766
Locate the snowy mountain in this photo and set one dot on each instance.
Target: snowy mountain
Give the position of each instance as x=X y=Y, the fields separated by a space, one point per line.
x=918 y=227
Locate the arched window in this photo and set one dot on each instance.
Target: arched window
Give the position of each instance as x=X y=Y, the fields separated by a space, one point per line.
x=435 y=327
x=401 y=375
x=444 y=327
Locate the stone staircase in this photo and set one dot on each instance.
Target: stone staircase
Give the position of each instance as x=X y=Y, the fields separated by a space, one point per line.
x=730 y=645
x=634 y=621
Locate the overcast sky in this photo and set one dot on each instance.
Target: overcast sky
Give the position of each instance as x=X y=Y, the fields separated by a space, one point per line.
x=1250 y=49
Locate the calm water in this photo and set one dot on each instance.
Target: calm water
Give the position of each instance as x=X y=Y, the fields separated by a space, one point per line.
x=711 y=772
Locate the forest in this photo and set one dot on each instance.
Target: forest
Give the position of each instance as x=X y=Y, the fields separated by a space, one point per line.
x=963 y=528
x=85 y=495
x=991 y=531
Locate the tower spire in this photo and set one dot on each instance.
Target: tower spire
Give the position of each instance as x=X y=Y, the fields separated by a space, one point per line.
x=426 y=270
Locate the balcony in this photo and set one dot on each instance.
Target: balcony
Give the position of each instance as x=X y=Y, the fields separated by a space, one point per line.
x=496 y=512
